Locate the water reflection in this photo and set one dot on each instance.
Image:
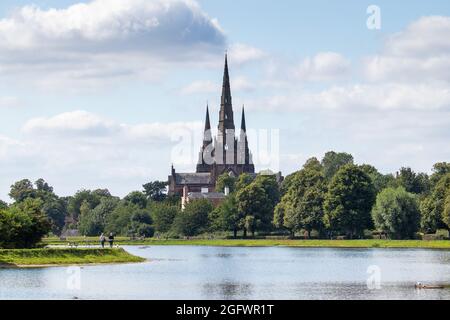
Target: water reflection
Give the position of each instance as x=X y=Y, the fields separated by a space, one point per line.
x=242 y=273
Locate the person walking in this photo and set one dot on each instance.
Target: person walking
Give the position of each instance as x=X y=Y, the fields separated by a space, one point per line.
x=102 y=240
x=111 y=239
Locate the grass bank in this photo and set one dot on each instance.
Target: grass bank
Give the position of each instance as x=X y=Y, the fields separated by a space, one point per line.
x=48 y=257
x=444 y=244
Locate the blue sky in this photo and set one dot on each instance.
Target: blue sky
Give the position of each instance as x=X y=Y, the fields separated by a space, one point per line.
x=90 y=95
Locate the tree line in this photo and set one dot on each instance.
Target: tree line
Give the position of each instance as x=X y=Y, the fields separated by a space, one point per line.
x=330 y=198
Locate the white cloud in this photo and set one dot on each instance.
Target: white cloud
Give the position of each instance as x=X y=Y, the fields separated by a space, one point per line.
x=76 y=122
x=324 y=66
x=419 y=53
x=238 y=84
x=362 y=97
x=242 y=83
x=103 y=40
x=9 y=102
x=81 y=124
x=197 y=87
x=241 y=53
x=79 y=149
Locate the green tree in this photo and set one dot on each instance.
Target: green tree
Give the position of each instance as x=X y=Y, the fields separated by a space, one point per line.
x=302 y=206
x=243 y=180
x=333 y=161
x=396 y=212
x=118 y=221
x=22 y=190
x=23 y=224
x=348 y=202
x=3 y=205
x=225 y=180
x=433 y=207
x=156 y=190
x=311 y=164
x=226 y=216
x=141 y=224
x=55 y=209
x=136 y=198
x=446 y=213
x=88 y=197
x=380 y=181
x=253 y=201
x=43 y=186
x=194 y=219
x=163 y=216
x=413 y=182
x=93 y=222
x=439 y=170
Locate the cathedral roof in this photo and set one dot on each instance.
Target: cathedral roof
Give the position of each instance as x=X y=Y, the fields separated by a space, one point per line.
x=193 y=178
x=209 y=196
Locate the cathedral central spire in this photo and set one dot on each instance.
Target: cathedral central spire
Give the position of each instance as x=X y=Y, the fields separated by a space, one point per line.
x=226 y=121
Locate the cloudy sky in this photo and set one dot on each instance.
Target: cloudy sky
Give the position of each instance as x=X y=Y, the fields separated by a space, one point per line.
x=96 y=94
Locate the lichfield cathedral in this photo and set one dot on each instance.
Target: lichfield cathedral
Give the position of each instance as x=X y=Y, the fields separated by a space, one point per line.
x=225 y=153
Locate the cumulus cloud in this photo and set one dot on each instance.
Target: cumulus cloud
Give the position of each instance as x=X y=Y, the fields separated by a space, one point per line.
x=80 y=124
x=242 y=53
x=240 y=83
x=363 y=97
x=9 y=102
x=324 y=66
x=106 y=39
x=80 y=149
x=197 y=87
x=421 y=52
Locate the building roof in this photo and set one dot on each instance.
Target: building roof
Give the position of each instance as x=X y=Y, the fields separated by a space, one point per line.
x=193 y=178
x=209 y=195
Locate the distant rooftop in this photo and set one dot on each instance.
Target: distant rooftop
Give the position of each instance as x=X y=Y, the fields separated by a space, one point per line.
x=193 y=178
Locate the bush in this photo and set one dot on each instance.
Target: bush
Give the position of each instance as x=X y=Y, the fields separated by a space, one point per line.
x=23 y=225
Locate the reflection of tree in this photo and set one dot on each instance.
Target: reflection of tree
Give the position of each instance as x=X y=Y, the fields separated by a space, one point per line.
x=227 y=290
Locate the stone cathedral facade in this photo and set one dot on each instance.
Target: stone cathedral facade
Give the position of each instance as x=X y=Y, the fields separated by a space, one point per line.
x=227 y=153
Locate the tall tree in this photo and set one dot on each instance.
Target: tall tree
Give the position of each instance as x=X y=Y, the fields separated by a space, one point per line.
x=23 y=224
x=141 y=224
x=258 y=199
x=333 y=161
x=413 y=182
x=439 y=170
x=396 y=212
x=3 y=205
x=163 y=216
x=380 y=181
x=93 y=222
x=91 y=199
x=433 y=207
x=136 y=198
x=194 y=219
x=302 y=206
x=22 y=190
x=349 y=201
x=226 y=216
x=156 y=190
x=226 y=180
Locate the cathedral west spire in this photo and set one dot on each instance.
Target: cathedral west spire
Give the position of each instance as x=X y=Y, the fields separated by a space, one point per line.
x=207 y=134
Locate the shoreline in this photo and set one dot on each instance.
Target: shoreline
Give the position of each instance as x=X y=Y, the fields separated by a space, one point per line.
x=60 y=257
x=344 y=244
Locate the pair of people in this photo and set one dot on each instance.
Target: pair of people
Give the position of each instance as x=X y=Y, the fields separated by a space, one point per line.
x=110 y=240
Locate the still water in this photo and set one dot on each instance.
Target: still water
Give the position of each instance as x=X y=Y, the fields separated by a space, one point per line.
x=241 y=273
